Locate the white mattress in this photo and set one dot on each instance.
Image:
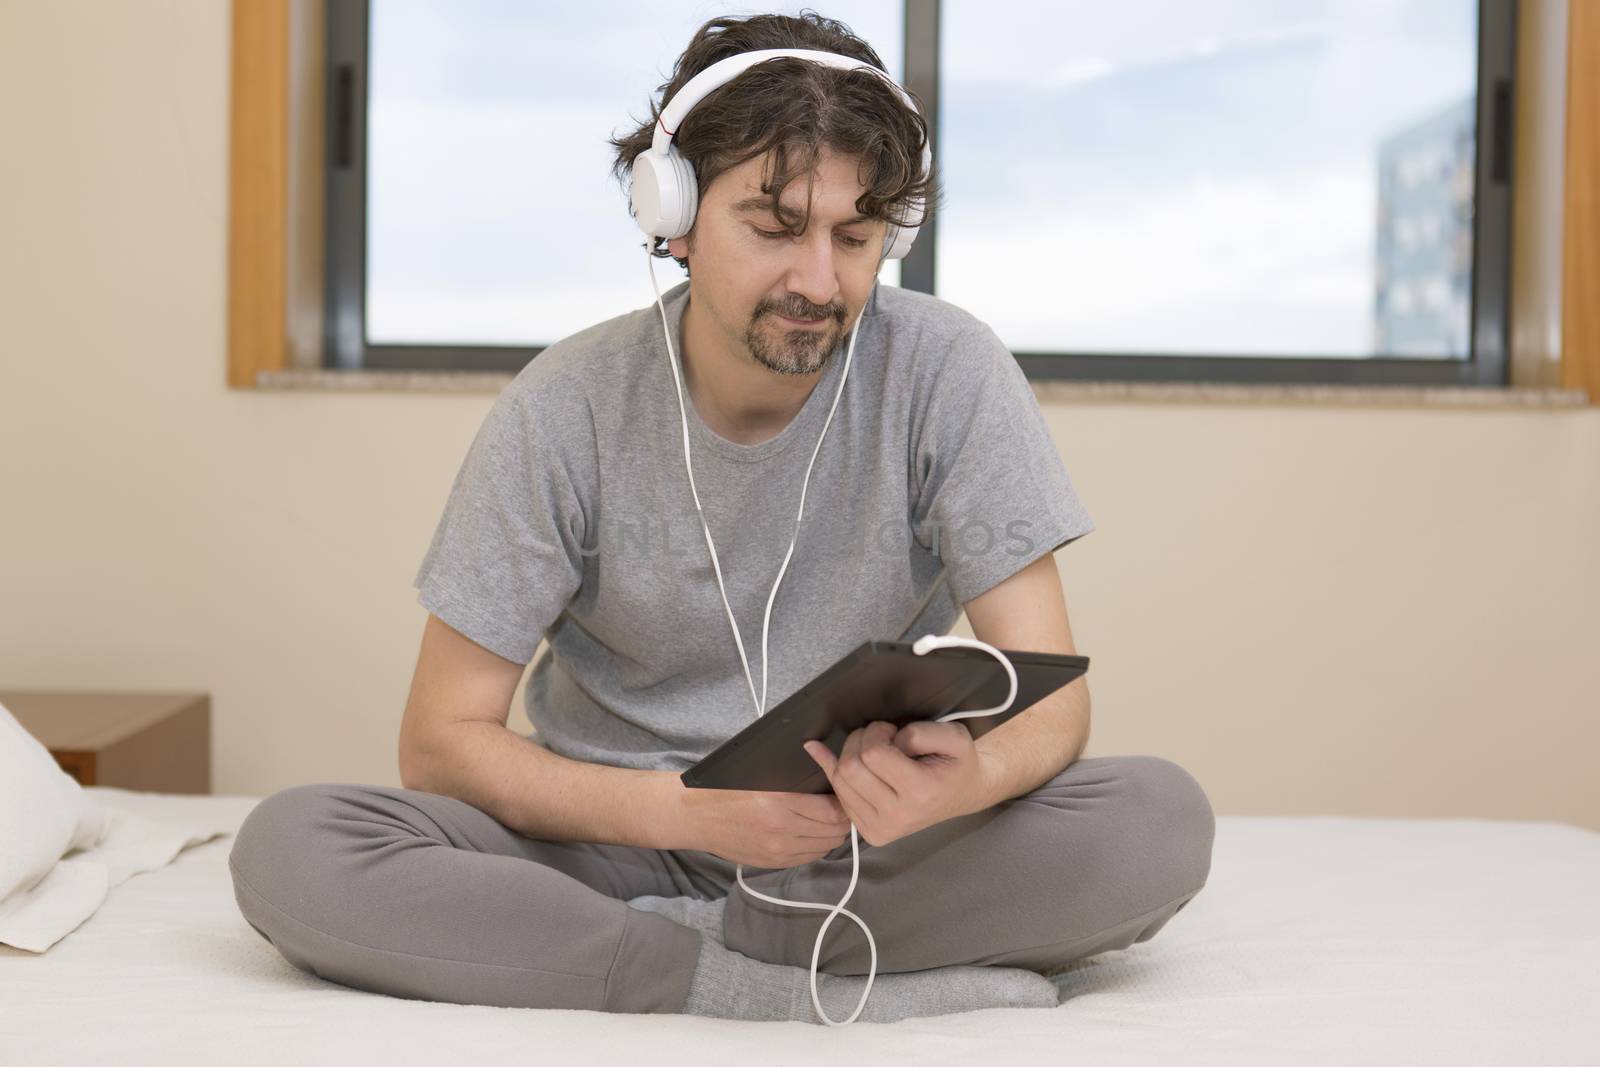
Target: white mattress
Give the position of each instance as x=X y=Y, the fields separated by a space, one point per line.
x=1317 y=940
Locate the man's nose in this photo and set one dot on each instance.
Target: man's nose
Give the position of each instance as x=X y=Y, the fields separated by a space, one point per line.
x=812 y=274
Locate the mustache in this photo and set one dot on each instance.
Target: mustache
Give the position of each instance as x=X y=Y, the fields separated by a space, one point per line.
x=806 y=311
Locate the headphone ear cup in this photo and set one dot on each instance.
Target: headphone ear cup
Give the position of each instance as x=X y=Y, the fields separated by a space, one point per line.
x=664 y=194
x=897 y=240
x=688 y=193
x=645 y=193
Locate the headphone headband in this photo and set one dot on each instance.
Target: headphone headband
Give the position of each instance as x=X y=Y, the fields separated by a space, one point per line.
x=665 y=194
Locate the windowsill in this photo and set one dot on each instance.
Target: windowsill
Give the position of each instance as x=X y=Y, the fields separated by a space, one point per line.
x=1067 y=392
x=1402 y=396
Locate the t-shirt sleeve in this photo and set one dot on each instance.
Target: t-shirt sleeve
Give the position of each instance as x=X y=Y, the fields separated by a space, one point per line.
x=506 y=556
x=991 y=494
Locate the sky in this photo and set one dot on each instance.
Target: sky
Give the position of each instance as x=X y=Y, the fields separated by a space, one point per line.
x=1135 y=177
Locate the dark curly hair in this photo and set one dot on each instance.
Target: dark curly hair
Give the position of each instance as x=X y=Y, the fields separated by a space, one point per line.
x=793 y=109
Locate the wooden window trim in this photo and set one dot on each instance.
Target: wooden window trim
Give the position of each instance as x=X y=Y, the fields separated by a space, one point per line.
x=258 y=191
x=1580 y=253
x=275 y=50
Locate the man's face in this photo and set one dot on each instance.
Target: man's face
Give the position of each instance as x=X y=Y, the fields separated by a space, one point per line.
x=749 y=273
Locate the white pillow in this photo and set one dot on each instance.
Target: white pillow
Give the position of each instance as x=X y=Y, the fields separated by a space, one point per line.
x=61 y=852
x=44 y=812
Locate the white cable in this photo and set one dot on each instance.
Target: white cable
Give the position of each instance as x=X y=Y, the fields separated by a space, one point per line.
x=922 y=646
x=928 y=642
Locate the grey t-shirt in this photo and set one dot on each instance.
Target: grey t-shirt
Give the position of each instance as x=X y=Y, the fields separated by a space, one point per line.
x=572 y=518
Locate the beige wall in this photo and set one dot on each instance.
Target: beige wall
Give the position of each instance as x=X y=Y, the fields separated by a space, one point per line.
x=1316 y=610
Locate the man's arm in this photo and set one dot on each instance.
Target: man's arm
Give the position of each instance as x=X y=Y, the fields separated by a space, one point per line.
x=1028 y=613
x=454 y=742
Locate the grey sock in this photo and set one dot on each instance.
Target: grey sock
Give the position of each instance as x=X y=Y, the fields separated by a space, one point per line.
x=731 y=985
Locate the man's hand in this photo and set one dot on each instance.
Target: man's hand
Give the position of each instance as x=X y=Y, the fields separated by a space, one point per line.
x=893 y=783
x=758 y=828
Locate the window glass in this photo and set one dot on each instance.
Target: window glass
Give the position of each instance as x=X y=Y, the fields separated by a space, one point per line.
x=492 y=215
x=1256 y=178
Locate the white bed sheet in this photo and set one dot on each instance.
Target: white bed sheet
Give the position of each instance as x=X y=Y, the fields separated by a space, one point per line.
x=1317 y=940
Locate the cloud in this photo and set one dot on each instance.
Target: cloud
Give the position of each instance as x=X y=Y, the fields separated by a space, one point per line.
x=1265 y=265
x=1080 y=70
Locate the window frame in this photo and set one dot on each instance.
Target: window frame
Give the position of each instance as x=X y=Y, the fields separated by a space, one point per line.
x=1488 y=364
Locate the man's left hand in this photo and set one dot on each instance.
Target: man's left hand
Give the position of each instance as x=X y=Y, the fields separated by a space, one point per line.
x=894 y=782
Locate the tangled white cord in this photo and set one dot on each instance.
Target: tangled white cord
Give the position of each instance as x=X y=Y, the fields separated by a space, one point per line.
x=921 y=647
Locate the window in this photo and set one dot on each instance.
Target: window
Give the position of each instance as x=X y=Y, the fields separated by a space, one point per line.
x=1275 y=190
x=473 y=215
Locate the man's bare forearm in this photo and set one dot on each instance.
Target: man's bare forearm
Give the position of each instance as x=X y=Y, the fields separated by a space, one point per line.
x=546 y=796
x=1024 y=752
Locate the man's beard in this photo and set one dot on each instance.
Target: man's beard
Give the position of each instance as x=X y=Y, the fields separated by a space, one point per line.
x=791 y=349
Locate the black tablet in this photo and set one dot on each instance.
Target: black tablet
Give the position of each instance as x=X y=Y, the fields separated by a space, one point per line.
x=879 y=681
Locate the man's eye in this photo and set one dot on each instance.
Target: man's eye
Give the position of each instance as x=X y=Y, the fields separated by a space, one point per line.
x=775 y=235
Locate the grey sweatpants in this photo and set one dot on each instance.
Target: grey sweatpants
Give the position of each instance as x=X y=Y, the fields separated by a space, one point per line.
x=423 y=896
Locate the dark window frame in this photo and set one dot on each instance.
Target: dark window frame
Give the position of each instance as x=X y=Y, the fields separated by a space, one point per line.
x=1488 y=364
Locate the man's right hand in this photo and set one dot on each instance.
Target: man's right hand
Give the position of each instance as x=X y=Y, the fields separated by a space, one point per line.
x=762 y=829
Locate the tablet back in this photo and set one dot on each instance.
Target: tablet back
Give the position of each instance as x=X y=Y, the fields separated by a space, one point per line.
x=877 y=681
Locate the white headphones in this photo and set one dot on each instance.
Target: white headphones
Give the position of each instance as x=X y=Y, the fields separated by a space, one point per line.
x=665 y=194
x=664 y=200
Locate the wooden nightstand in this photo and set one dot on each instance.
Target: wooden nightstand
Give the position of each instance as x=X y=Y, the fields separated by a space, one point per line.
x=155 y=742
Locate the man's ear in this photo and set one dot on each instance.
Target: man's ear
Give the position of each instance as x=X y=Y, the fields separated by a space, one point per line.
x=680 y=247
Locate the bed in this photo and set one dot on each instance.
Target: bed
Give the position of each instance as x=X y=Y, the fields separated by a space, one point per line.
x=1316 y=940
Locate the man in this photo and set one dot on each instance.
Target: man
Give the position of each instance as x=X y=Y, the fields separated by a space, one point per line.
x=579 y=871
